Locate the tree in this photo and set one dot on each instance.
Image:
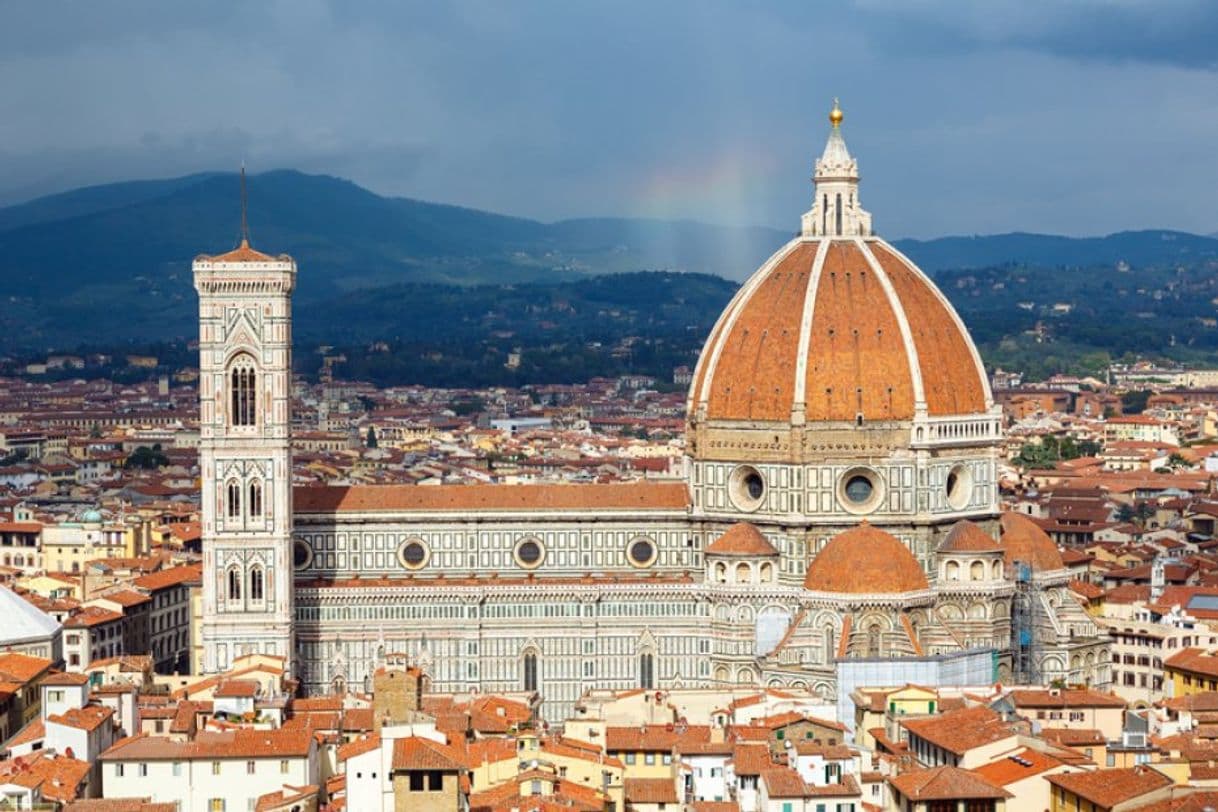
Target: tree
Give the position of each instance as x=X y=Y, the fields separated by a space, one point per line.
x=1137 y=513
x=147 y=458
x=1177 y=460
x=370 y=441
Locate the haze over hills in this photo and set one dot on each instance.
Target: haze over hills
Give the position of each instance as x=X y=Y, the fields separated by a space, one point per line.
x=112 y=263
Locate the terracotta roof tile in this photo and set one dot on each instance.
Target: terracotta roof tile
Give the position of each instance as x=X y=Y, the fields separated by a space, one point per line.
x=945 y=784
x=1008 y=770
x=566 y=497
x=88 y=718
x=962 y=730
x=650 y=791
x=242 y=253
x=966 y=537
x=864 y=560
x=1064 y=698
x=1194 y=660
x=953 y=382
x=118 y=805
x=754 y=377
x=173 y=576
x=1107 y=788
x=857 y=358
x=417 y=753
x=238 y=743
x=21 y=668
x=741 y=538
x=1025 y=542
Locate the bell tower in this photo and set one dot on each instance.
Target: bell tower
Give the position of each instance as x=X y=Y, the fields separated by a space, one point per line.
x=245 y=456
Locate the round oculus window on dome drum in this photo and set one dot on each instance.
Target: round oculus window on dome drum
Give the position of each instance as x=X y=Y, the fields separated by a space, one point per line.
x=746 y=488
x=302 y=554
x=641 y=552
x=529 y=553
x=413 y=554
x=959 y=487
x=860 y=490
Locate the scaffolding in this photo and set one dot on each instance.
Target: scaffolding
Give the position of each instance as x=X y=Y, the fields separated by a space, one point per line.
x=1025 y=636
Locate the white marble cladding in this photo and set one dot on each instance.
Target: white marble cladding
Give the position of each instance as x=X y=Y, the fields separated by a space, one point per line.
x=479 y=643
x=813 y=493
x=570 y=548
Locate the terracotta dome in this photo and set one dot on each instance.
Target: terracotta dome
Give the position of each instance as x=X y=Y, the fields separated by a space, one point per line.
x=741 y=539
x=1024 y=541
x=865 y=560
x=966 y=537
x=832 y=329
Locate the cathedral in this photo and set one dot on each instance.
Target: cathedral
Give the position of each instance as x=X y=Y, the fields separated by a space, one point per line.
x=839 y=505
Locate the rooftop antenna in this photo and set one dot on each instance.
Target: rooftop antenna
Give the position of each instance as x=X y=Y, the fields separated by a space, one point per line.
x=245 y=228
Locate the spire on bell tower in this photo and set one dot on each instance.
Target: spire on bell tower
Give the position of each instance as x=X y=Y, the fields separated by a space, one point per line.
x=836 y=211
x=245 y=225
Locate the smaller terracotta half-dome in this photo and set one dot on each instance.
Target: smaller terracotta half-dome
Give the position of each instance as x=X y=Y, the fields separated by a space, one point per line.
x=865 y=560
x=741 y=539
x=1024 y=541
x=966 y=537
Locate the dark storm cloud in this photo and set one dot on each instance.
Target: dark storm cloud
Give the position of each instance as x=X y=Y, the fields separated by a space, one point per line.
x=966 y=116
x=1168 y=32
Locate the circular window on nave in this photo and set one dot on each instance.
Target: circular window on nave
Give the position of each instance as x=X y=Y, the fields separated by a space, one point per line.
x=529 y=553
x=641 y=551
x=860 y=490
x=746 y=487
x=413 y=554
x=302 y=554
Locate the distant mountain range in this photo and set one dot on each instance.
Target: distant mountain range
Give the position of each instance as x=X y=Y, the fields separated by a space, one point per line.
x=112 y=262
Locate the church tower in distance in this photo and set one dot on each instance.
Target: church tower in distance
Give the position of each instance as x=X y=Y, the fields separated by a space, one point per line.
x=245 y=455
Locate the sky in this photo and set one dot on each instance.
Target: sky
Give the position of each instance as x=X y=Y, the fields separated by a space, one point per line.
x=1075 y=117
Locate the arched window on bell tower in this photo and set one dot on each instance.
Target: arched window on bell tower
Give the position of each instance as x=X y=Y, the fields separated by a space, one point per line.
x=255 y=500
x=243 y=391
x=232 y=499
x=234 y=584
x=256 y=583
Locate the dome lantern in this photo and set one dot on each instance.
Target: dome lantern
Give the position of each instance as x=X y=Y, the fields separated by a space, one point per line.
x=836 y=210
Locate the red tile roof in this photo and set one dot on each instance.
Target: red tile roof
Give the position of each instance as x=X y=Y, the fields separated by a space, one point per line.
x=741 y=538
x=1195 y=661
x=88 y=718
x=239 y=743
x=21 y=668
x=1065 y=698
x=962 y=730
x=242 y=253
x=371 y=498
x=945 y=784
x=650 y=791
x=1025 y=542
x=417 y=753
x=865 y=560
x=174 y=576
x=1008 y=770
x=1107 y=788
x=966 y=537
